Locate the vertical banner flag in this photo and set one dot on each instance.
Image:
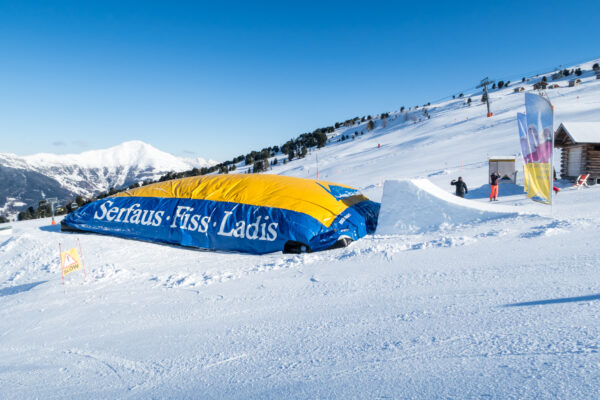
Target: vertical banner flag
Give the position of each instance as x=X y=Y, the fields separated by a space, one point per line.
x=525 y=147
x=70 y=261
x=540 y=135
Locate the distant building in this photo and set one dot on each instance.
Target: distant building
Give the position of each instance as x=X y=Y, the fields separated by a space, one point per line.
x=505 y=167
x=519 y=89
x=574 y=82
x=580 y=148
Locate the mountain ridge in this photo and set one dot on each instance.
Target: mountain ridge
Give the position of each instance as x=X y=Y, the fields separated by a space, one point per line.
x=27 y=179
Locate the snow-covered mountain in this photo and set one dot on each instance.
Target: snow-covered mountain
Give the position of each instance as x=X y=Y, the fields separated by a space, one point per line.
x=26 y=180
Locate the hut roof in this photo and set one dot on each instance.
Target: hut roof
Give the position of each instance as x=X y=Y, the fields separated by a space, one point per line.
x=578 y=132
x=502 y=158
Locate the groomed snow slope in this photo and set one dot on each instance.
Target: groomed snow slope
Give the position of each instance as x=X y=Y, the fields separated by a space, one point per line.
x=503 y=309
x=497 y=308
x=417 y=206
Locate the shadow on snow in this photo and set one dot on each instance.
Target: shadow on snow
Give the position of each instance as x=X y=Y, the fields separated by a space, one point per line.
x=555 y=301
x=50 y=228
x=9 y=291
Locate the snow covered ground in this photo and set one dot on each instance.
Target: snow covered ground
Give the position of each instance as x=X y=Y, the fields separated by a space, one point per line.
x=472 y=307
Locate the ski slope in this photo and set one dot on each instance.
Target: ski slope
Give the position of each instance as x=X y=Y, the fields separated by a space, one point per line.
x=473 y=300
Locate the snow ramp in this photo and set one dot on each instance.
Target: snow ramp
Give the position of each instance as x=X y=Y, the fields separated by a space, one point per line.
x=418 y=206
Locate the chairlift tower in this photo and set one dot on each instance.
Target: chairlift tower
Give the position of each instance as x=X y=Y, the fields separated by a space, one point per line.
x=52 y=201
x=484 y=84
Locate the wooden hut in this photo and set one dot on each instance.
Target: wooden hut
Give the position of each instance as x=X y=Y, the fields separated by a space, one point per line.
x=580 y=148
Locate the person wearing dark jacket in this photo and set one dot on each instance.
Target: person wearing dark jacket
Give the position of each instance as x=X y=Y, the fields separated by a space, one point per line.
x=461 y=187
x=494 y=186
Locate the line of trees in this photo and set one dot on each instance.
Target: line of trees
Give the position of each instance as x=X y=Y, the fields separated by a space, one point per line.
x=44 y=209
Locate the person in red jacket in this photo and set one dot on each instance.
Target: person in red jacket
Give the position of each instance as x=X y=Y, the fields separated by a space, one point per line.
x=494 y=186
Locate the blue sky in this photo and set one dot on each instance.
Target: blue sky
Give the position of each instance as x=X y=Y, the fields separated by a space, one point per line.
x=219 y=79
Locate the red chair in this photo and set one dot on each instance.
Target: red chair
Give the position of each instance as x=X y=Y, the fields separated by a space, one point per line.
x=581 y=181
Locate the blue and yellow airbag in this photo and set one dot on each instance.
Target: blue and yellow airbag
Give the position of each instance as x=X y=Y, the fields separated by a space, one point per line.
x=249 y=213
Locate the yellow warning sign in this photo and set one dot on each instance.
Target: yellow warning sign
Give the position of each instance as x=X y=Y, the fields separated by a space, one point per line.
x=70 y=261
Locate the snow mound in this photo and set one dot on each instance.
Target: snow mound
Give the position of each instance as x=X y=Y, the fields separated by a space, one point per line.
x=418 y=206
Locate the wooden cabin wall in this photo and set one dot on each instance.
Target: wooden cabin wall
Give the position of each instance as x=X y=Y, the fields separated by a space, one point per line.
x=592 y=161
x=564 y=162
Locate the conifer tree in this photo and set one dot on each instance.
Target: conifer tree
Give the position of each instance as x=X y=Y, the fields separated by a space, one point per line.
x=370 y=125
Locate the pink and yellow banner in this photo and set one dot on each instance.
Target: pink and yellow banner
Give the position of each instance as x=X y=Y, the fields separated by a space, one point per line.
x=536 y=135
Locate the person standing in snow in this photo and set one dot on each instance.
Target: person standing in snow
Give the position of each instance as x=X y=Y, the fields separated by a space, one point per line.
x=494 y=186
x=461 y=187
